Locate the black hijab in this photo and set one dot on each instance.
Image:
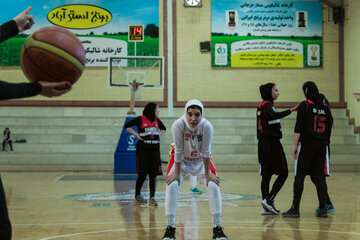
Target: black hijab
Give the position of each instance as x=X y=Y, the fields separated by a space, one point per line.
x=324 y=99
x=312 y=93
x=265 y=91
x=149 y=111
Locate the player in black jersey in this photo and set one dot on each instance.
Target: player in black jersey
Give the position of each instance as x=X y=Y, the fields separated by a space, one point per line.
x=270 y=150
x=328 y=204
x=313 y=124
x=20 y=23
x=148 y=161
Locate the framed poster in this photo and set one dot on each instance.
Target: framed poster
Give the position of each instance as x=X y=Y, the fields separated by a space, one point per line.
x=261 y=34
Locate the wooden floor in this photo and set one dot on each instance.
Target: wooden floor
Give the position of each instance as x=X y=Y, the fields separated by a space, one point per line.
x=99 y=206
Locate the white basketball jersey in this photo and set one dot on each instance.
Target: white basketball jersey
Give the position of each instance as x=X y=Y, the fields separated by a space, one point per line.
x=190 y=145
x=193 y=144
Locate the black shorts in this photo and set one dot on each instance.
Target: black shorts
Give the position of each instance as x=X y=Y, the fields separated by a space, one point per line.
x=311 y=158
x=148 y=161
x=271 y=157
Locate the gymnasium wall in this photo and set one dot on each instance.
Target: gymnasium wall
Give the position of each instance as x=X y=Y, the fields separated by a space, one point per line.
x=195 y=78
x=352 y=56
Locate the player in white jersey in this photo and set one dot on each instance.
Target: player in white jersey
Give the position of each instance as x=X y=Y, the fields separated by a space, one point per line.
x=192 y=135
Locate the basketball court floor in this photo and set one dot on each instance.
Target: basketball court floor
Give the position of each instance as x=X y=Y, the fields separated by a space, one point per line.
x=81 y=206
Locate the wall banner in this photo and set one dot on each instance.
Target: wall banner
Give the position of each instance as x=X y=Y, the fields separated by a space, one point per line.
x=260 y=34
x=102 y=27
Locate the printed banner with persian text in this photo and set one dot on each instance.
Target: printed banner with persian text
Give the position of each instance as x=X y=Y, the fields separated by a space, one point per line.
x=102 y=26
x=276 y=34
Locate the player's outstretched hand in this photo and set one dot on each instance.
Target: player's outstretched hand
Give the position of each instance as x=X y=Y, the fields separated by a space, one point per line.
x=212 y=177
x=24 y=21
x=54 y=89
x=172 y=177
x=294 y=108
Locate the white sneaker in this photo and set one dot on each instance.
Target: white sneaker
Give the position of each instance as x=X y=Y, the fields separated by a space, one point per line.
x=266 y=212
x=269 y=206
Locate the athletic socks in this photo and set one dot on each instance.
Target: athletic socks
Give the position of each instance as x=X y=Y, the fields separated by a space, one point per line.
x=170 y=220
x=216 y=218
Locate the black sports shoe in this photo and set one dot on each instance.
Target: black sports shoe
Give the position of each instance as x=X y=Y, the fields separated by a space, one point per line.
x=269 y=206
x=322 y=213
x=292 y=213
x=169 y=233
x=218 y=234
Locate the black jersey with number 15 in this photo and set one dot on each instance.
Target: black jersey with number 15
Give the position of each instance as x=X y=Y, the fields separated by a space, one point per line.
x=312 y=122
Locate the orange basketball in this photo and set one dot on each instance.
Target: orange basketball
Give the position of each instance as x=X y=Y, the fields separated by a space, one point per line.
x=52 y=54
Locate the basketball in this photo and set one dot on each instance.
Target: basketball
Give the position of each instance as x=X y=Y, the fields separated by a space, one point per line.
x=52 y=54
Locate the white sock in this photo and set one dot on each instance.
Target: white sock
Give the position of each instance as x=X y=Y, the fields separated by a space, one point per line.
x=171 y=203
x=170 y=220
x=216 y=220
x=193 y=181
x=215 y=203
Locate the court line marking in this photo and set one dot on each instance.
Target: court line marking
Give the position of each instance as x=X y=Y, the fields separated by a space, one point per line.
x=146 y=222
x=235 y=227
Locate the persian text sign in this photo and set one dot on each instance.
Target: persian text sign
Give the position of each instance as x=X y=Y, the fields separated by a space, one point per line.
x=79 y=16
x=98 y=49
x=267 y=33
x=266 y=53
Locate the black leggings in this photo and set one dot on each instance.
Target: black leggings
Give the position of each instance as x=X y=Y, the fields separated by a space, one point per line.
x=320 y=184
x=10 y=143
x=140 y=182
x=5 y=225
x=327 y=197
x=265 y=182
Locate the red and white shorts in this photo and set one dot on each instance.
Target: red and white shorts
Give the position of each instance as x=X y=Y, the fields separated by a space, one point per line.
x=195 y=168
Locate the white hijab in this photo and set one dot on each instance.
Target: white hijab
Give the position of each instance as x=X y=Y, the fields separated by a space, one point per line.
x=183 y=117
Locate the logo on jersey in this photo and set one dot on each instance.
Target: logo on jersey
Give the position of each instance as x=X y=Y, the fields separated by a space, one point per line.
x=188 y=136
x=199 y=137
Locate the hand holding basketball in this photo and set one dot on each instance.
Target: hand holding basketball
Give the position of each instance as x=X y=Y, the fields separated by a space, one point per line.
x=54 y=89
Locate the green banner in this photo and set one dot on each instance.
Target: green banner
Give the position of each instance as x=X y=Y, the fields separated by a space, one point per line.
x=262 y=34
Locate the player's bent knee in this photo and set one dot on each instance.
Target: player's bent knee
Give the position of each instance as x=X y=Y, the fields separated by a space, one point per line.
x=173 y=186
x=212 y=187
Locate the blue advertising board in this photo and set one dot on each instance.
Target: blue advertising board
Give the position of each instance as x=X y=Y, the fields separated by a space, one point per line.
x=125 y=153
